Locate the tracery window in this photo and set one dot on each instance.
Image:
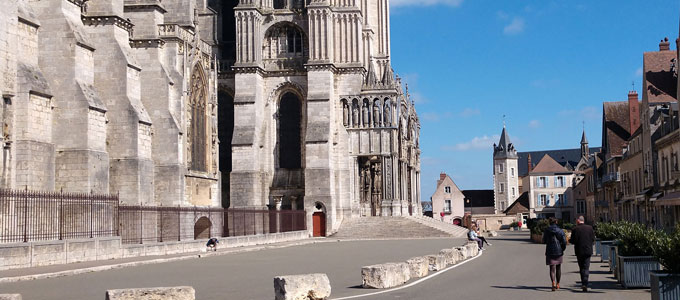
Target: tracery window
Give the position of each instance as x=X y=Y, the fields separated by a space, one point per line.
x=196 y=137
x=284 y=41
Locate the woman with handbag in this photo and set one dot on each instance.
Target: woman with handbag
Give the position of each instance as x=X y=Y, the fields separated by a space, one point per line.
x=555 y=243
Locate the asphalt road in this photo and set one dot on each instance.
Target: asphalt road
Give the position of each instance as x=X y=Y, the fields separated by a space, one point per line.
x=513 y=268
x=240 y=275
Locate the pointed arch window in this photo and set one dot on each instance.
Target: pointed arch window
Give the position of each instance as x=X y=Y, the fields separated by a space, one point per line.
x=290 y=117
x=196 y=137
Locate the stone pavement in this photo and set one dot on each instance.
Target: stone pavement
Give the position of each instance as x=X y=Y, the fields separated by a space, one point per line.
x=513 y=268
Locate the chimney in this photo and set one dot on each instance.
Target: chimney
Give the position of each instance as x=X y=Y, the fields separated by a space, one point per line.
x=529 y=166
x=633 y=111
x=664 y=45
x=442 y=176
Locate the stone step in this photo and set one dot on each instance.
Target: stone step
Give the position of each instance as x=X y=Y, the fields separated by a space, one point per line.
x=387 y=227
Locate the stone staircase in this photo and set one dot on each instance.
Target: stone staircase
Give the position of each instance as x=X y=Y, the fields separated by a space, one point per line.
x=392 y=227
x=454 y=230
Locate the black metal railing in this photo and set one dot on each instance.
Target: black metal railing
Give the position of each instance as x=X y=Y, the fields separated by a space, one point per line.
x=37 y=216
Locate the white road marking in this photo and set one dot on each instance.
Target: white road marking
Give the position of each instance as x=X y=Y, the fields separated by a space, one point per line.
x=412 y=283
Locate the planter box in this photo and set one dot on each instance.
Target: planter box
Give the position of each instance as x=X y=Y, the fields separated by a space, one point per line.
x=537 y=238
x=605 y=250
x=634 y=270
x=598 y=247
x=612 y=260
x=664 y=286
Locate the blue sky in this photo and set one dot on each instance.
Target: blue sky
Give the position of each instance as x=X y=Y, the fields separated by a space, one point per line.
x=546 y=65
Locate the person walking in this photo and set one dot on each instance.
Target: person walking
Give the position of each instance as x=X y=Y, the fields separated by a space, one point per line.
x=555 y=243
x=583 y=236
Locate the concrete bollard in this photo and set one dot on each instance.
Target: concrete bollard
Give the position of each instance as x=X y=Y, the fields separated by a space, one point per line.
x=448 y=256
x=463 y=250
x=157 y=293
x=458 y=254
x=302 y=287
x=385 y=275
x=418 y=266
x=437 y=262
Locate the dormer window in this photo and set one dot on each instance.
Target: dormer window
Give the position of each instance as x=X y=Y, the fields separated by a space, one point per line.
x=447 y=189
x=280 y=4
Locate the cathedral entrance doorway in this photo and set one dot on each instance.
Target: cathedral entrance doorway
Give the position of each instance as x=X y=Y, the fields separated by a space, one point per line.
x=319 y=223
x=202 y=228
x=370 y=176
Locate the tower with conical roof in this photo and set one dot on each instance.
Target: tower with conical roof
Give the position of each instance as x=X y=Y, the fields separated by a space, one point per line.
x=505 y=177
x=584 y=145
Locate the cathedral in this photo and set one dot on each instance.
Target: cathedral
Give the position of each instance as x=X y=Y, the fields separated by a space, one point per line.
x=257 y=104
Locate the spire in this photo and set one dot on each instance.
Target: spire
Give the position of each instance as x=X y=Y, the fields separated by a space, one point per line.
x=584 y=145
x=584 y=140
x=371 y=78
x=388 y=76
x=505 y=148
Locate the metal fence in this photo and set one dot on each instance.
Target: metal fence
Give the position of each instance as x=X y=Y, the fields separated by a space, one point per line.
x=34 y=216
x=144 y=224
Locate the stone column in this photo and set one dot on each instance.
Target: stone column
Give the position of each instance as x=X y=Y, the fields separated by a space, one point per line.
x=293 y=202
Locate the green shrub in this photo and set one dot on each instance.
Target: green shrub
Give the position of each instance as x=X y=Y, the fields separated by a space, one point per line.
x=514 y=224
x=665 y=248
x=568 y=226
x=606 y=231
x=540 y=226
x=635 y=239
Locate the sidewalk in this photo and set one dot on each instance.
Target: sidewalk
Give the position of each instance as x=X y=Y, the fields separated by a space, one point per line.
x=15 y=275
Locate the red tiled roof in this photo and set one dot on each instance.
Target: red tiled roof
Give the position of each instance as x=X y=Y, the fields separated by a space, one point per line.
x=616 y=124
x=548 y=165
x=659 y=83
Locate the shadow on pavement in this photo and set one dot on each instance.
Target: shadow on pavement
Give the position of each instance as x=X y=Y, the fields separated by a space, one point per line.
x=546 y=289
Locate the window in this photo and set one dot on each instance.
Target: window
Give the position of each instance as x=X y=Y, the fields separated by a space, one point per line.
x=500 y=168
x=559 y=181
x=580 y=207
x=447 y=205
x=542 y=182
x=513 y=191
x=512 y=172
x=560 y=200
x=542 y=200
x=279 y=4
x=502 y=188
x=447 y=189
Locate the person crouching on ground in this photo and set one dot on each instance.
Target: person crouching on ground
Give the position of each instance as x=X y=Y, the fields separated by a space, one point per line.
x=212 y=244
x=472 y=236
x=555 y=243
x=583 y=236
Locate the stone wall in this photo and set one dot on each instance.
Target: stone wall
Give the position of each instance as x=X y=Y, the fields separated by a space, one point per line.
x=33 y=254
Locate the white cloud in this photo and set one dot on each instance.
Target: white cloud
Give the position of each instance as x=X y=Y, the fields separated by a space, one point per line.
x=430 y=116
x=469 y=112
x=454 y=3
x=588 y=113
x=502 y=15
x=418 y=98
x=638 y=72
x=515 y=27
x=534 y=124
x=477 y=143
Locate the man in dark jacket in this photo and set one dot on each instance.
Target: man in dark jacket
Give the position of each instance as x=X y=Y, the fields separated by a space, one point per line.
x=582 y=236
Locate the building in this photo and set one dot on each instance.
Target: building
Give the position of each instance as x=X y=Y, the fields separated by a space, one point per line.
x=448 y=201
x=319 y=74
x=520 y=208
x=479 y=202
x=505 y=176
x=616 y=126
x=187 y=103
x=550 y=188
x=91 y=105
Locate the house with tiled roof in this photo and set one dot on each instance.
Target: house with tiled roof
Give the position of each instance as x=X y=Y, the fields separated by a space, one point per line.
x=447 y=201
x=550 y=186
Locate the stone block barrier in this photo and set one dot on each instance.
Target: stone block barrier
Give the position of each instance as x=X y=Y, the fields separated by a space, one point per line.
x=385 y=275
x=492 y=233
x=302 y=287
x=418 y=266
x=10 y=297
x=157 y=293
x=449 y=256
x=458 y=254
x=436 y=262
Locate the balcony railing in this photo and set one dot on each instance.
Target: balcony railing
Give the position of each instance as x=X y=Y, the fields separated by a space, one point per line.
x=611 y=177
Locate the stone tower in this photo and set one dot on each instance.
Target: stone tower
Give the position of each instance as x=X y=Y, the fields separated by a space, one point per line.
x=584 y=145
x=505 y=178
x=320 y=121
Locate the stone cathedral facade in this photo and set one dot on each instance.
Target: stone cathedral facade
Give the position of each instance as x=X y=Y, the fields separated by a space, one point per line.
x=321 y=122
x=110 y=96
x=262 y=104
